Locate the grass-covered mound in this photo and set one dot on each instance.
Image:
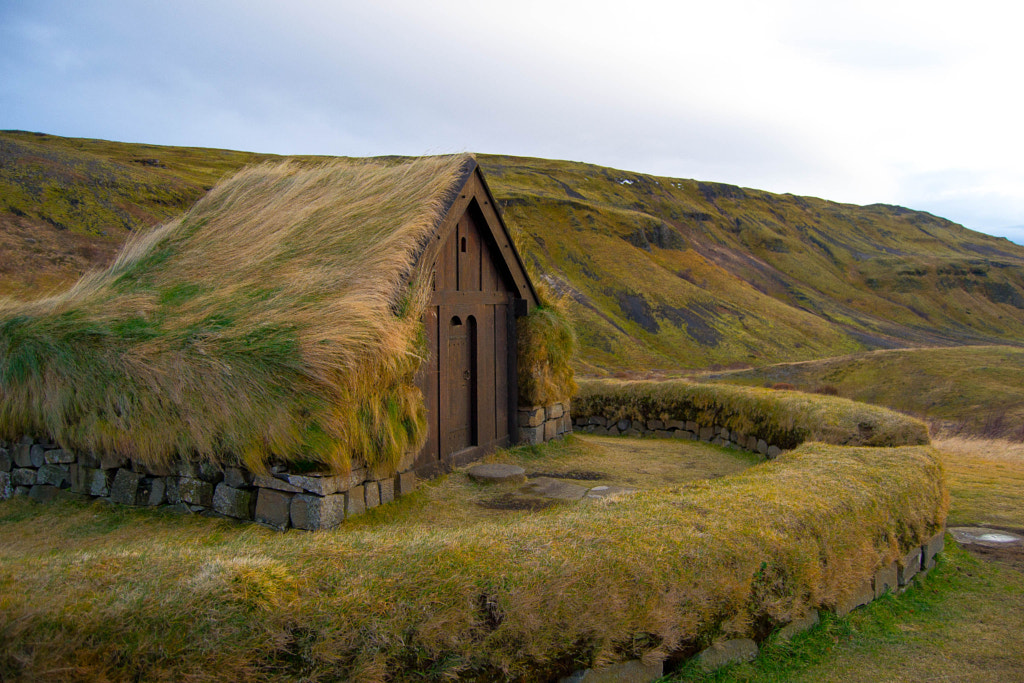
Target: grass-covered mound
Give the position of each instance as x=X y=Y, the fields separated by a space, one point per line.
x=783 y=418
x=975 y=390
x=279 y=317
x=409 y=593
x=546 y=347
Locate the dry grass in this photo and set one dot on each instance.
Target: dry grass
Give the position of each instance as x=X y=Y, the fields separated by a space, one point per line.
x=274 y=320
x=90 y=591
x=546 y=347
x=986 y=481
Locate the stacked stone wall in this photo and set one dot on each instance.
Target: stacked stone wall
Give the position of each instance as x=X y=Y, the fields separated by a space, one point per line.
x=538 y=424
x=42 y=470
x=676 y=429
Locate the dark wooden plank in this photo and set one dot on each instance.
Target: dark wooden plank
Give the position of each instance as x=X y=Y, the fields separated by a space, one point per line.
x=501 y=397
x=485 y=377
x=443 y=391
x=427 y=381
x=470 y=298
x=468 y=254
x=513 y=375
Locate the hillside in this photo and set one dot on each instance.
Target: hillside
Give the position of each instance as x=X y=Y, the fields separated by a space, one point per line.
x=970 y=389
x=658 y=272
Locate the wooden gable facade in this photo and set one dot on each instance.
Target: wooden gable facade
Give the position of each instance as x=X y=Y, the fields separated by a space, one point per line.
x=480 y=288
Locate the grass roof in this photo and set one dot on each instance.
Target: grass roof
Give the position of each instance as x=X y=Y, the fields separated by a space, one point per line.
x=279 y=318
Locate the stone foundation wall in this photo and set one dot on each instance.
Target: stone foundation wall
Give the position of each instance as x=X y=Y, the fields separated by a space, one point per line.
x=538 y=424
x=42 y=470
x=676 y=429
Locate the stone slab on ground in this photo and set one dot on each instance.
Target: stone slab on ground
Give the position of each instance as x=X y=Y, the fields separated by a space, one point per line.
x=609 y=491
x=633 y=671
x=725 y=652
x=273 y=508
x=546 y=487
x=493 y=473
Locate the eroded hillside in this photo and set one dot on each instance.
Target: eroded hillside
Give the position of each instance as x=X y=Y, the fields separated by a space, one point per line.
x=668 y=273
x=659 y=272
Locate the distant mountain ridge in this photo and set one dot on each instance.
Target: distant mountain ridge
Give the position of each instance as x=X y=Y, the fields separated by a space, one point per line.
x=658 y=273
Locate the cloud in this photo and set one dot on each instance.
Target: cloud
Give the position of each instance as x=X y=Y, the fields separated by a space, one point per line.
x=867 y=102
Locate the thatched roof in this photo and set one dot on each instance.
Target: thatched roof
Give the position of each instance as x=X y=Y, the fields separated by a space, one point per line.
x=278 y=318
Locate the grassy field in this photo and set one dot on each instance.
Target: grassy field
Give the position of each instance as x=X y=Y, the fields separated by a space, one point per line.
x=972 y=389
x=443 y=582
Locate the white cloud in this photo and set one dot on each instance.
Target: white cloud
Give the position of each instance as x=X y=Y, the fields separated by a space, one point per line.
x=900 y=102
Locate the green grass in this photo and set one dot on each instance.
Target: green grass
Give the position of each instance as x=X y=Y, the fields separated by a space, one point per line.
x=960 y=623
x=410 y=589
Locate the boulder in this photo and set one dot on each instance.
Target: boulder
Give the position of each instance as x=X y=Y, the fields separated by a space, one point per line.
x=59 y=456
x=319 y=512
x=233 y=502
x=54 y=475
x=273 y=508
x=125 y=488
x=195 y=491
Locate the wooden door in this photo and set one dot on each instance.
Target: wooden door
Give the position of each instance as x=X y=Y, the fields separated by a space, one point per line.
x=461 y=378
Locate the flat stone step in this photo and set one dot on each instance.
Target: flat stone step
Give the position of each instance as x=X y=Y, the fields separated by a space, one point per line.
x=493 y=473
x=609 y=491
x=546 y=487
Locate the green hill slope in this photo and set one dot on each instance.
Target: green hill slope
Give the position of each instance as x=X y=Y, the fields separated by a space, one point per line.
x=659 y=272
x=971 y=389
x=669 y=273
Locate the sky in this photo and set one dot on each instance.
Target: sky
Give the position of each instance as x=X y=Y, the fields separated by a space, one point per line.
x=910 y=103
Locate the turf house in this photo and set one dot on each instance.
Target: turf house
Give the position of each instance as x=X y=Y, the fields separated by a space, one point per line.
x=299 y=345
